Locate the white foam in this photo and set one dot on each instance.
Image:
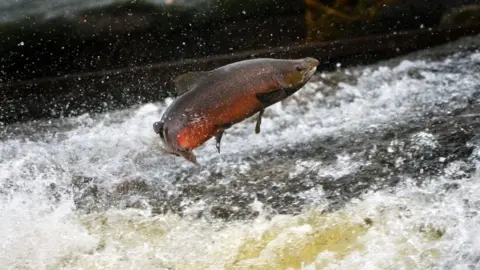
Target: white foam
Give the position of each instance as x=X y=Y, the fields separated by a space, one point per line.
x=118 y=144
x=417 y=228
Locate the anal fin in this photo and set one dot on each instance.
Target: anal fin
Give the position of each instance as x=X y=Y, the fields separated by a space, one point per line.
x=218 y=139
x=221 y=129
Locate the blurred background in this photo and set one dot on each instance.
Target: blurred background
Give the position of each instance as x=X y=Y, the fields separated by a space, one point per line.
x=65 y=54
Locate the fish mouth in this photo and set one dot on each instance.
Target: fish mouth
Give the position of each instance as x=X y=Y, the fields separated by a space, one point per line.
x=312 y=62
x=312 y=68
x=310 y=72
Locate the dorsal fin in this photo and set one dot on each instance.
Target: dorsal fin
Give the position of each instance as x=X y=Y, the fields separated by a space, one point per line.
x=184 y=82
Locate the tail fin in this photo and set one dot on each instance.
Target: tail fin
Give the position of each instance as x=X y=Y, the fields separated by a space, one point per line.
x=158 y=127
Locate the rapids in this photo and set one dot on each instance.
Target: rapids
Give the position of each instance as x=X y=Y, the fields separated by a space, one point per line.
x=373 y=167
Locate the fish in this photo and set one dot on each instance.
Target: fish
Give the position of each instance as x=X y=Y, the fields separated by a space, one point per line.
x=210 y=102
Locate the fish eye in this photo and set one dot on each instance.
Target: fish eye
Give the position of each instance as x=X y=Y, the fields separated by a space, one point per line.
x=298 y=68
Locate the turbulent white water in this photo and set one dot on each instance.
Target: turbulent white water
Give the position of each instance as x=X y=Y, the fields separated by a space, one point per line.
x=409 y=226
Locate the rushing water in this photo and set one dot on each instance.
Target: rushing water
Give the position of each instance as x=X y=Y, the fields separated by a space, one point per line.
x=367 y=168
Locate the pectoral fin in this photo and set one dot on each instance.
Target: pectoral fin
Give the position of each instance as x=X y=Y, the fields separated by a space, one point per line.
x=259 y=121
x=271 y=97
x=218 y=138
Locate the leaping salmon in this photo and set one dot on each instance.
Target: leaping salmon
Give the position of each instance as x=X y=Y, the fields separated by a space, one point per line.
x=210 y=102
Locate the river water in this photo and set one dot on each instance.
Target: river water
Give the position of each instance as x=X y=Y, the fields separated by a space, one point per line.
x=367 y=168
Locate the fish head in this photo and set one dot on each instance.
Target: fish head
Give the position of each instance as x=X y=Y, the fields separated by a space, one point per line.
x=298 y=72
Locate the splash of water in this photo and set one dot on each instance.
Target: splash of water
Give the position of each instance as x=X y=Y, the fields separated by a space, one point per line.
x=405 y=227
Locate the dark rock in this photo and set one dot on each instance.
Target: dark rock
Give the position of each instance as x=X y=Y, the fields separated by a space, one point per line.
x=124 y=54
x=468 y=14
x=138 y=33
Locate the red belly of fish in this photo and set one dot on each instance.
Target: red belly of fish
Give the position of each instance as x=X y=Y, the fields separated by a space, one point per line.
x=195 y=134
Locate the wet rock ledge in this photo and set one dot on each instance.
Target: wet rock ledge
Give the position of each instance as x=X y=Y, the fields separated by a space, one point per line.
x=125 y=53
